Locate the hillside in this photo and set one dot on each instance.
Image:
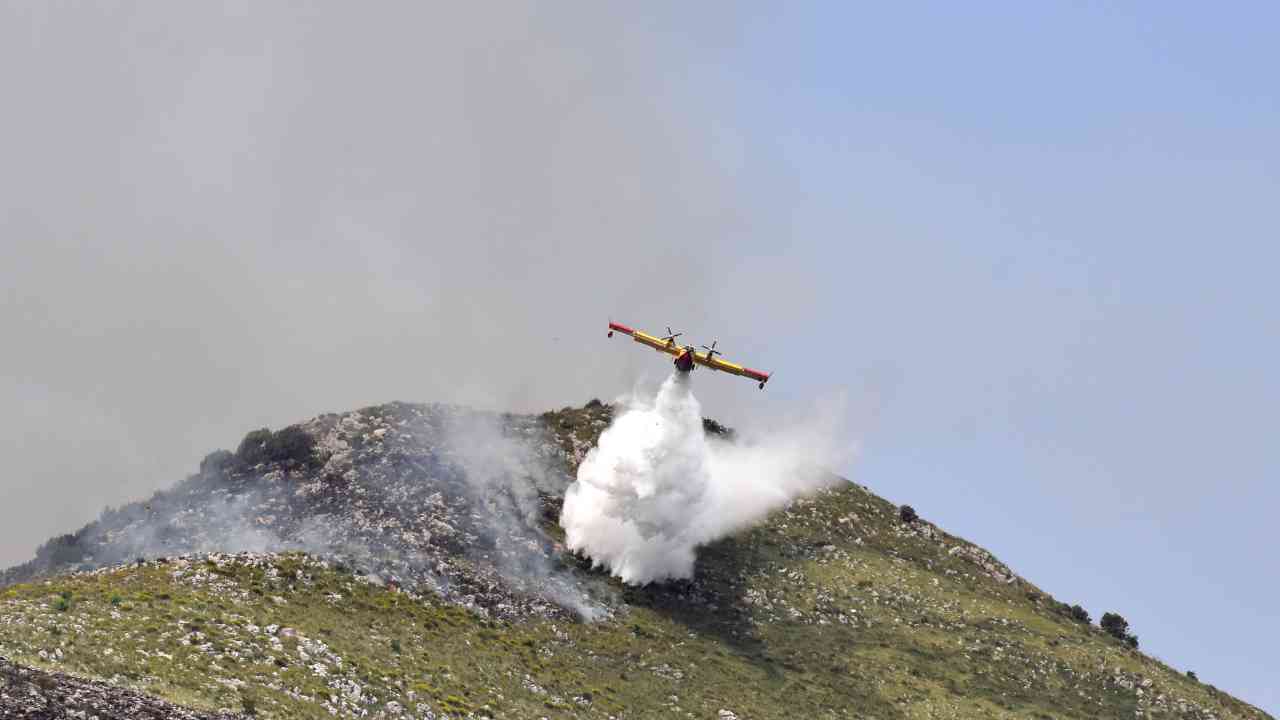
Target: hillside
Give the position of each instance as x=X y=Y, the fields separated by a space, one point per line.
x=405 y=561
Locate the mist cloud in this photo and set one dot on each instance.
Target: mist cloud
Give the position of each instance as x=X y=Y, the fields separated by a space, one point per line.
x=656 y=487
x=216 y=218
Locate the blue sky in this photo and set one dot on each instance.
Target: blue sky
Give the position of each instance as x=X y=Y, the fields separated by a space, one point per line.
x=1046 y=237
x=1033 y=244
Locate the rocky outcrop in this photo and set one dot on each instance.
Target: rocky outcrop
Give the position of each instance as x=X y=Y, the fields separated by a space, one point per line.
x=435 y=497
x=30 y=694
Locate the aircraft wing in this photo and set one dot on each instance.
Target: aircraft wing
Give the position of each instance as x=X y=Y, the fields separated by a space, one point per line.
x=715 y=363
x=705 y=359
x=645 y=338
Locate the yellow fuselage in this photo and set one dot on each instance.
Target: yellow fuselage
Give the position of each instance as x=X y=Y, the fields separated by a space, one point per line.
x=704 y=359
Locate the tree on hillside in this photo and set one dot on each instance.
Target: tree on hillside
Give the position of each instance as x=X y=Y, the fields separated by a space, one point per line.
x=908 y=514
x=1115 y=625
x=1118 y=628
x=62 y=550
x=290 y=445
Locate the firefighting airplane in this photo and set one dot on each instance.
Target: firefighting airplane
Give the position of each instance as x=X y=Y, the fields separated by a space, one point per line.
x=687 y=356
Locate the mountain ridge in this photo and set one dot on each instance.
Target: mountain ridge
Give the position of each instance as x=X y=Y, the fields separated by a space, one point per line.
x=842 y=599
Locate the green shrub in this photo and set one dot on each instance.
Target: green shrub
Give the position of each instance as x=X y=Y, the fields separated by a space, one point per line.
x=712 y=427
x=216 y=461
x=1079 y=614
x=907 y=514
x=290 y=445
x=62 y=550
x=248 y=702
x=252 y=447
x=1117 y=627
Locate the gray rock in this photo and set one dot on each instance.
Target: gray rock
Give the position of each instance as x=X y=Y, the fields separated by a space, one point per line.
x=31 y=694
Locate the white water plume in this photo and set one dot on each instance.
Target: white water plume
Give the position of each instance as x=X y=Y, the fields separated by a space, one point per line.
x=656 y=487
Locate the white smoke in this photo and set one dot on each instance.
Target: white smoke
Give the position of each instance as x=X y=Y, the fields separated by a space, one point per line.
x=656 y=487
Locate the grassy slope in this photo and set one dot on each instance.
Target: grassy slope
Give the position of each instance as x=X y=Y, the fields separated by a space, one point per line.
x=834 y=608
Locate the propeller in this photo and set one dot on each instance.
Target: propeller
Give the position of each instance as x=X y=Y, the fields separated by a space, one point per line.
x=670 y=336
x=712 y=351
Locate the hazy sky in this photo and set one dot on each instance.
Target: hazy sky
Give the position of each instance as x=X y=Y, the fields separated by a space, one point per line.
x=1033 y=244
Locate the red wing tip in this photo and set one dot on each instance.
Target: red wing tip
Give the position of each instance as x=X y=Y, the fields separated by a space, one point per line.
x=620 y=328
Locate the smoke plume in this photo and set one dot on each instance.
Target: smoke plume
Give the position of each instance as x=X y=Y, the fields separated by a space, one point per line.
x=656 y=486
x=432 y=497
